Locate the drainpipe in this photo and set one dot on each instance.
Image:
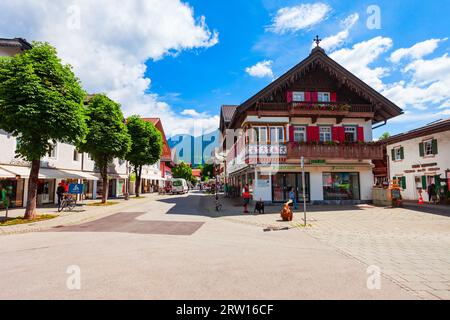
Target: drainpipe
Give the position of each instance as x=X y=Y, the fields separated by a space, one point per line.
x=381 y=125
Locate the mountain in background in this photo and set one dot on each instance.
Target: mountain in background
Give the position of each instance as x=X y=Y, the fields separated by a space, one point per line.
x=194 y=150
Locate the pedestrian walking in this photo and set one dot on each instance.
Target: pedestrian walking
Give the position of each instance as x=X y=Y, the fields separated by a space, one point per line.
x=246 y=196
x=293 y=198
x=431 y=193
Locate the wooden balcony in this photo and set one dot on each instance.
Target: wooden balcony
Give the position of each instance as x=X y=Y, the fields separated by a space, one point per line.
x=338 y=110
x=349 y=152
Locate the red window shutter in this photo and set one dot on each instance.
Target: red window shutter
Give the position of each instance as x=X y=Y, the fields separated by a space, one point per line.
x=290 y=96
x=291 y=133
x=314 y=96
x=336 y=136
x=308 y=96
x=312 y=133
x=333 y=97
x=360 y=134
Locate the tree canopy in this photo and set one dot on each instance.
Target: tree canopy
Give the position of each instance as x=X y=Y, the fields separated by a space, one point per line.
x=146 y=142
x=107 y=136
x=41 y=101
x=208 y=172
x=146 y=146
x=385 y=136
x=183 y=171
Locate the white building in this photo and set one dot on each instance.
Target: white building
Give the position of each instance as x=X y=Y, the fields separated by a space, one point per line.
x=63 y=162
x=420 y=157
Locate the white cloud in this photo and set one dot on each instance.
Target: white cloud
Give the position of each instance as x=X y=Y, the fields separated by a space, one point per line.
x=337 y=40
x=417 y=51
x=261 y=69
x=359 y=58
x=299 y=17
x=114 y=41
x=424 y=85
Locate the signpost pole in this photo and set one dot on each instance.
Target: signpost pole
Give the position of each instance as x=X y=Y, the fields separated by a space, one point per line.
x=304 y=189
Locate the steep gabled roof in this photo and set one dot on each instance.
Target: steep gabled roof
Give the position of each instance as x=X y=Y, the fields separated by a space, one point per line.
x=383 y=107
x=226 y=115
x=166 y=153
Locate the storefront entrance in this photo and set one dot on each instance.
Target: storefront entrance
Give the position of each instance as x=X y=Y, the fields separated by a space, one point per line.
x=283 y=183
x=45 y=191
x=15 y=188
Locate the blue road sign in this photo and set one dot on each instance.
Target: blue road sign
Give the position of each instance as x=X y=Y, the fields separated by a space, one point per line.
x=76 y=188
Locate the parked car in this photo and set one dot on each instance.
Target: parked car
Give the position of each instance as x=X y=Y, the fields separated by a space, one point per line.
x=179 y=186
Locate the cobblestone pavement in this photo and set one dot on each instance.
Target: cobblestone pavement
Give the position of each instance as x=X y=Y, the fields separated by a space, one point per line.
x=412 y=248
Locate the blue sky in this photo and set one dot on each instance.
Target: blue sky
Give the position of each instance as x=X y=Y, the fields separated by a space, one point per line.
x=206 y=78
x=181 y=61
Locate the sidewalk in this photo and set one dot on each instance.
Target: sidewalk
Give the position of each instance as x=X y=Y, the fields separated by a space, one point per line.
x=81 y=214
x=232 y=210
x=439 y=209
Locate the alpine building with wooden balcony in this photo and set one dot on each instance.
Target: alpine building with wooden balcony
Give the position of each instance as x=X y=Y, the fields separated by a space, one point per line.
x=317 y=110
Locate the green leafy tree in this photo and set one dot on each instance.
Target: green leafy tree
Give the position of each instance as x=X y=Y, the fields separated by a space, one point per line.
x=41 y=103
x=385 y=135
x=107 y=136
x=146 y=146
x=183 y=171
x=208 y=172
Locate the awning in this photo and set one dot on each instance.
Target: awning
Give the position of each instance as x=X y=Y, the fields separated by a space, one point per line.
x=6 y=175
x=83 y=175
x=45 y=173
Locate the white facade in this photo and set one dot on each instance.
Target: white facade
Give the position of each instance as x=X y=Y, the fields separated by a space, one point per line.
x=261 y=176
x=65 y=163
x=413 y=167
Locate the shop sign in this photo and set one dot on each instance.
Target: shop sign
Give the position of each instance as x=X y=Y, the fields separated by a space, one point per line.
x=410 y=171
x=76 y=188
x=343 y=168
x=318 y=161
x=434 y=169
x=429 y=165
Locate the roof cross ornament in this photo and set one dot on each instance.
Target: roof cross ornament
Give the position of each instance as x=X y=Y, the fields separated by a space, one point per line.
x=317 y=40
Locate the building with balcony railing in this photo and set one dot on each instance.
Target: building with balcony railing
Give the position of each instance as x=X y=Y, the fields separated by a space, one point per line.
x=319 y=111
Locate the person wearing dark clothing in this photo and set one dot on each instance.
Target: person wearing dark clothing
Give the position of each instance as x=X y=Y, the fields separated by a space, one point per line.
x=431 y=193
x=60 y=192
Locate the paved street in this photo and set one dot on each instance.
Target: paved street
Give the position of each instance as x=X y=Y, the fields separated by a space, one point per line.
x=165 y=247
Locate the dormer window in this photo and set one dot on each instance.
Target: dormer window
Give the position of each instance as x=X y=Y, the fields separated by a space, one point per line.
x=298 y=96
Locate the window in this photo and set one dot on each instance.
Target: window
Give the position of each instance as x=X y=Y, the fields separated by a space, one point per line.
x=397 y=154
x=52 y=152
x=300 y=134
x=325 y=134
x=341 y=186
x=76 y=155
x=350 y=134
x=428 y=147
x=324 y=97
x=259 y=135
x=298 y=96
x=276 y=134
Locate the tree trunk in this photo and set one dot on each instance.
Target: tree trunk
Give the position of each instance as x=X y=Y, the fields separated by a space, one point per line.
x=138 y=181
x=105 y=184
x=30 y=212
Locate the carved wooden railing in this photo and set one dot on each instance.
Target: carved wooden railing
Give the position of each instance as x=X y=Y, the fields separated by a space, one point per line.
x=323 y=151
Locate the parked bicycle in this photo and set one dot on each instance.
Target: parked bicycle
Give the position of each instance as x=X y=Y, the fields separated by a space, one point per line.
x=68 y=202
